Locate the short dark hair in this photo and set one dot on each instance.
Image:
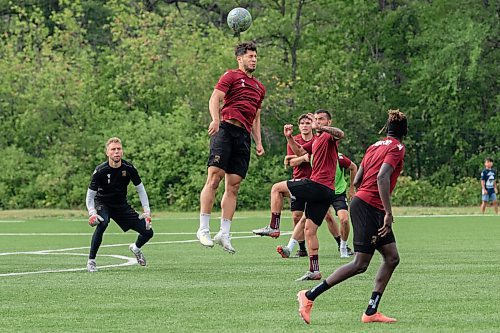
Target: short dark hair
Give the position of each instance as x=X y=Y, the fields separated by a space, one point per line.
x=243 y=48
x=302 y=116
x=328 y=115
x=488 y=159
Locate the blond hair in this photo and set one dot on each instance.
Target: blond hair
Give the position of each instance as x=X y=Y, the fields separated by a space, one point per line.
x=113 y=140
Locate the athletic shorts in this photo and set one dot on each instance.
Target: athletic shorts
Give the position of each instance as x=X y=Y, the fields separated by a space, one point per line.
x=366 y=220
x=340 y=202
x=124 y=215
x=230 y=149
x=489 y=197
x=317 y=197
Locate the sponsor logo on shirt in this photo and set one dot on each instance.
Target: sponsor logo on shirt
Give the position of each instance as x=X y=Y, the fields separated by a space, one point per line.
x=383 y=143
x=124 y=173
x=109 y=178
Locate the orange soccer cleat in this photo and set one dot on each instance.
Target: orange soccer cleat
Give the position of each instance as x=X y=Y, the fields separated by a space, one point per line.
x=377 y=318
x=305 y=306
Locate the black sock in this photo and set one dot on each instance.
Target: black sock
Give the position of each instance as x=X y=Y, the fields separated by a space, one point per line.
x=302 y=245
x=318 y=290
x=373 y=304
x=338 y=240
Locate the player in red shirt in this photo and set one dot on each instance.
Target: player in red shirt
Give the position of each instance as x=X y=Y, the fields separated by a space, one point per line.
x=230 y=132
x=371 y=216
x=317 y=191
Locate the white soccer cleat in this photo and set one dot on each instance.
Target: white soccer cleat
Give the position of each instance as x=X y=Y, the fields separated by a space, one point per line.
x=344 y=253
x=91 y=266
x=224 y=240
x=141 y=260
x=204 y=237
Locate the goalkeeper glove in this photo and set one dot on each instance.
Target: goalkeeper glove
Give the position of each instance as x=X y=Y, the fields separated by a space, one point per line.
x=94 y=218
x=147 y=218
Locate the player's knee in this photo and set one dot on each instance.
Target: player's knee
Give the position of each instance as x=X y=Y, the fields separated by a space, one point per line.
x=361 y=266
x=148 y=234
x=393 y=261
x=102 y=226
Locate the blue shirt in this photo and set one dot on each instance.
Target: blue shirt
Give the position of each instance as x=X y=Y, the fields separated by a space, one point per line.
x=489 y=176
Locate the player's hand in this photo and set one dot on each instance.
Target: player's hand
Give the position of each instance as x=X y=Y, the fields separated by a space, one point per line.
x=387 y=227
x=213 y=128
x=314 y=123
x=288 y=130
x=95 y=219
x=147 y=218
x=259 y=149
x=306 y=157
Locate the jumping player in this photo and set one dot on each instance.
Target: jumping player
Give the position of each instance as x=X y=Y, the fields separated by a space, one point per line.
x=230 y=131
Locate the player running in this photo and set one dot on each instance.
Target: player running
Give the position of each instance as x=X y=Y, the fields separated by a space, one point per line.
x=107 y=198
x=371 y=216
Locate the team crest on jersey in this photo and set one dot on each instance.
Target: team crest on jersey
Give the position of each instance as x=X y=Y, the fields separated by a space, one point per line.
x=242 y=82
x=124 y=173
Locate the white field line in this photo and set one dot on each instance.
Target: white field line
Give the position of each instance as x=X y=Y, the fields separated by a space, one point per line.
x=12 y=221
x=108 y=233
x=129 y=261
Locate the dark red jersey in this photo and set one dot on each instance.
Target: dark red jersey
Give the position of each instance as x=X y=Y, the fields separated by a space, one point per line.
x=243 y=97
x=344 y=161
x=387 y=150
x=304 y=169
x=324 y=159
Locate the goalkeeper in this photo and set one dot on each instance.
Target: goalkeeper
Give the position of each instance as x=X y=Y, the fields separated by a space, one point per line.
x=107 y=198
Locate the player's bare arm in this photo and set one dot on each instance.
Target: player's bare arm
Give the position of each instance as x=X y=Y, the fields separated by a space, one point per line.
x=256 y=134
x=298 y=160
x=214 y=104
x=359 y=177
x=335 y=132
x=384 y=185
x=287 y=159
x=297 y=149
x=353 y=169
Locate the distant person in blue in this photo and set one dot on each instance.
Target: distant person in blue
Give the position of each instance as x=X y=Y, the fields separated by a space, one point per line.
x=489 y=185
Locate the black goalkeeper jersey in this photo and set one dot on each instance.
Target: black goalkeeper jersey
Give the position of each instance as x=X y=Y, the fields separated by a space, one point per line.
x=111 y=183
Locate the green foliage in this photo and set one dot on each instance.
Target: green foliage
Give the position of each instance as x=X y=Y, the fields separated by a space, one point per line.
x=75 y=73
x=409 y=192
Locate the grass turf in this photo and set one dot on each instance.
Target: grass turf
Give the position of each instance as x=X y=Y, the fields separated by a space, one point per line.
x=447 y=281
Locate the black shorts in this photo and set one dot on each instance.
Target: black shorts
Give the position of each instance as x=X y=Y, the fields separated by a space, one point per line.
x=366 y=220
x=124 y=215
x=317 y=197
x=230 y=149
x=297 y=205
x=340 y=202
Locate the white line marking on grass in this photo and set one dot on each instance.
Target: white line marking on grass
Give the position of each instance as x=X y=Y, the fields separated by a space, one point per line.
x=107 y=233
x=129 y=261
x=12 y=221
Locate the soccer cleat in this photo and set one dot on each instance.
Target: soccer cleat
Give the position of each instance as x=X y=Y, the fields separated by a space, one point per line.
x=283 y=251
x=344 y=253
x=204 y=237
x=224 y=240
x=267 y=231
x=305 y=306
x=91 y=266
x=316 y=275
x=141 y=260
x=377 y=318
x=349 y=251
x=301 y=253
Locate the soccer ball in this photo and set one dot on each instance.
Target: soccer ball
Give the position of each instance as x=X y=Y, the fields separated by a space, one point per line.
x=239 y=19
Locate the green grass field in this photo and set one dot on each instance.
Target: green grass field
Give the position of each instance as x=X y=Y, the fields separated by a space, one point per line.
x=448 y=279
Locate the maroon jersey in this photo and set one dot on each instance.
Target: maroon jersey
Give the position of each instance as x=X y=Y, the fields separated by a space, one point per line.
x=387 y=150
x=324 y=157
x=344 y=161
x=243 y=97
x=304 y=169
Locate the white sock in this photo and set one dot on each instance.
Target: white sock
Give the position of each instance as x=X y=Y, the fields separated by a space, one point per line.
x=204 y=221
x=134 y=248
x=225 y=226
x=343 y=244
x=291 y=244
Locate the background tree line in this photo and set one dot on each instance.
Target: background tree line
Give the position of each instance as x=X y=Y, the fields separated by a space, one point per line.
x=74 y=73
